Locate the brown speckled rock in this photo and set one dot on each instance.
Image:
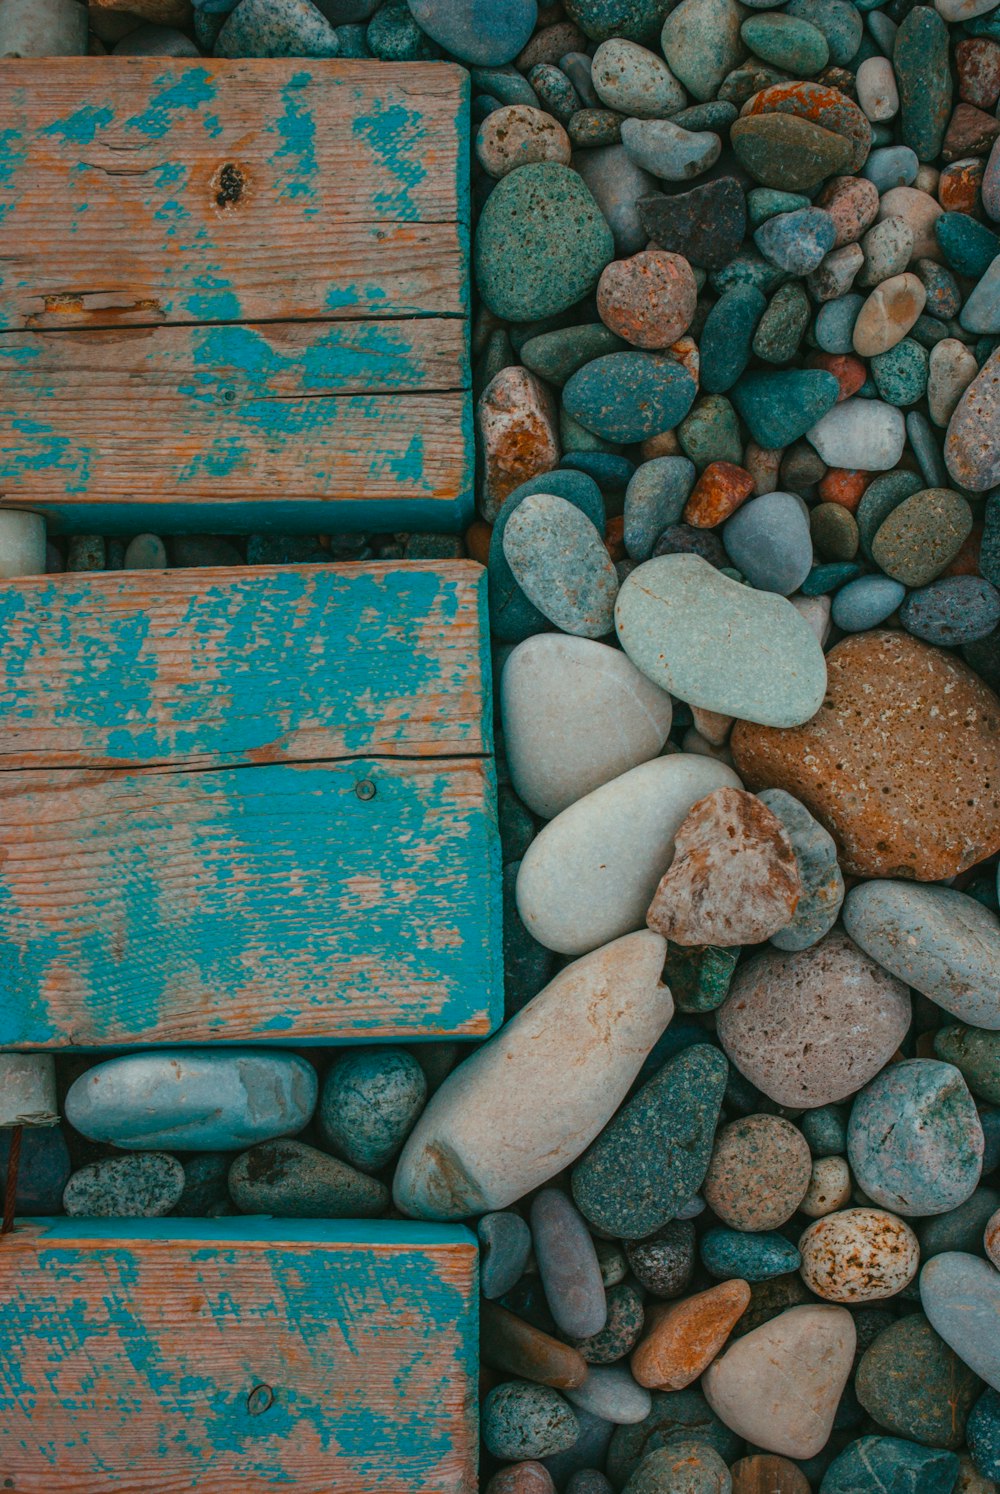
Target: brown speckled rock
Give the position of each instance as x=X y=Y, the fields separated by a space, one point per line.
x=810 y=1027
x=780 y=1385
x=517 y=435
x=764 y=1473
x=684 y=1337
x=759 y=1172
x=648 y=299
x=971 y=448
x=901 y=762
x=521 y=1478
x=734 y=878
x=858 y=1255
x=517 y=135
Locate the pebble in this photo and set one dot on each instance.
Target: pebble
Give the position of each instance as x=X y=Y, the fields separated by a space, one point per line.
x=611 y=1393
x=914 y=1141
x=521 y=1478
x=779 y=407
x=811 y=1348
x=368 y=1104
x=830 y=1188
x=915 y=1386
x=681 y=1468
x=521 y=1420
x=649 y=299
x=197 y=1100
x=483 y=1142
x=701 y=43
x=620 y=1333
x=558 y=559
x=477 y=32
x=893 y=1464
x=590 y=874
x=961 y=1228
x=983 y=1432
x=518 y=135
x=811 y=1027
x=568 y=1266
x=976 y=1055
x=706 y=224
x=922 y=535
x=653 y=1155
x=960 y=1294
x=300 y=1182
x=757 y=1257
x=518 y=437
x=898 y=720
x=719 y=645
x=677 y=1417
x=783 y=150
x=821 y=880
x=719 y=491
x=504 y=1247
x=635 y=81
x=938 y=940
x=683 y=1338
x=146 y=1186
x=626 y=397
x=667 y=151
x=708 y=897
x=859 y=1255
x=797 y=241
x=618 y=186
x=759 y=1173
x=971 y=455
x=663 y=1263
x=769 y=540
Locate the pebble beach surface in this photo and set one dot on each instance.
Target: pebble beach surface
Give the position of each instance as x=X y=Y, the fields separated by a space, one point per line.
x=733 y=1159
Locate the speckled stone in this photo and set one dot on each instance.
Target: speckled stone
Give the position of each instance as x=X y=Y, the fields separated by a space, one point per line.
x=626 y=397
x=719 y=645
x=648 y=299
x=518 y=436
x=196 y=1099
x=914 y=1140
x=521 y=1420
x=825 y=1129
x=368 y=1104
x=622 y=1330
x=504 y=1246
x=699 y=977
x=664 y=1262
x=960 y=1294
x=559 y=561
x=300 y=1182
x=758 y=1174
x=858 y=1255
x=899 y=720
x=971 y=453
x=635 y=81
x=921 y=64
x=521 y=1478
x=922 y=535
x=146 y=1186
x=693 y=1467
x=976 y=1055
x=701 y=42
x=939 y=941
x=512 y=616
x=653 y=1155
x=676 y=1417
x=518 y=134
x=891 y=1463
x=654 y=500
x=277 y=28
x=568 y=1266
x=541 y=243
x=983 y=1433
x=683 y=1338
x=952 y=611
x=810 y=1027
x=811 y=1348
x=915 y=1386
x=728 y=1253
x=821 y=879
x=830 y=1186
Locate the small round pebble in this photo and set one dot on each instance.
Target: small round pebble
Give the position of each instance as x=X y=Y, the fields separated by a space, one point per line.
x=758 y=1174
x=369 y=1102
x=859 y=1255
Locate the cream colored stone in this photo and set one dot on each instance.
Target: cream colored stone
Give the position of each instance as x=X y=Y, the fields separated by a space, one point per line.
x=22 y=544
x=858 y=1255
x=953 y=367
x=888 y=314
x=877 y=91
x=829 y=1187
x=921 y=212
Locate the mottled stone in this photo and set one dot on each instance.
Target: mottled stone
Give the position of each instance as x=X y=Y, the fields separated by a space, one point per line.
x=649 y=299
x=664 y=1262
x=830 y=1187
x=625 y=397
x=477 y=32
x=758 y=1174
x=701 y=42
x=961 y=1296
x=976 y=1055
x=727 y=1253
x=922 y=535
x=820 y=876
x=654 y=500
x=899 y=720
x=635 y=81
x=810 y=1027
x=276 y=28
x=517 y=135
x=483 y=1140
x=684 y=1337
x=521 y=1420
x=558 y=559
x=518 y=439
x=693 y=1467
x=719 y=491
x=146 y=1186
x=369 y=1102
x=733 y=878
x=891 y=1463
x=653 y=1155
x=858 y=1255
x=783 y=150
x=300 y=1182
x=914 y=1141
x=971 y=452
x=811 y=1348
x=676 y=1417
x=521 y=1478
x=622 y=1330
x=921 y=64
x=915 y=1386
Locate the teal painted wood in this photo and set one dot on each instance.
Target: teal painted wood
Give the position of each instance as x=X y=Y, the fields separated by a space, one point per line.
x=154 y=1356
x=314 y=853
x=289 y=377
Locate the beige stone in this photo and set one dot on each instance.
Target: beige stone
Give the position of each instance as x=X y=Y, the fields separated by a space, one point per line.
x=858 y=1255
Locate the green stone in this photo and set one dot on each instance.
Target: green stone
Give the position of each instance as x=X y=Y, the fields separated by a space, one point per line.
x=768 y=202
x=541 y=243
x=711 y=433
x=839 y=22
x=922 y=66
x=782 y=150
x=881 y=496
x=901 y=373
x=834 y=531
x=557 y=355
x=915 y=1386
x=975 y=1052
x=748 y=268
x=699 y=976
x=780 y=407
x=968 y=246
x=783 y=324
x=797 y=46
x=922 y=536
x=727 y=337
x=701 y=42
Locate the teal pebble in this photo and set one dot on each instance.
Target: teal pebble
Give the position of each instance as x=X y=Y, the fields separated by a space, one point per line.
x=654 y=500
x=840 y=23
x=892 y=1464
x=959 y=1229
x=521 y=1421
x=834 y=325
x=747 y=268
x=636 y=20
x=277 y=28
x=727 y=337
x=786 y=42
x=922 y=65
x=626 y=397
x=394 y=36
x=353 y=41
x=555 y=93
x=968 y=246
x=728 y=1253
x=883 y=494
x=781 y=407
x=866 y=602
x=556 y=355
x=715 y=115
x=952 y=611
x=44 y=1170
x=504 y=1247
x=506 y=85
x=610 y=471
x=825 y=1129
x=891 y=166
x=768 y=202
x=900 y=374
x=675 y=1416
x=369 y=1102
x=983 y=1435
x=823 y=579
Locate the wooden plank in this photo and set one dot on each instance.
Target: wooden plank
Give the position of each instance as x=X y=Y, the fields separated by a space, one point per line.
x=139 y=190
x=262 y=664
x=155 y=1356
x=271 y=904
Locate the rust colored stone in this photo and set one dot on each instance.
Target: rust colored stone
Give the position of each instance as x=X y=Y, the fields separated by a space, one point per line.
x=766 y=1473
x=977 y=60
x=510 y=1344
x=517 y=431
x=614 y=537
x=684 y=1337
x=824 y=106
x=845 y=486
x=648 y=299
x=970 y=132
x=734 y=878
x=848 y=370
x=719 y=491
x=901 y=763
x=959 y=185
x=521 y=1478
x=477 y=540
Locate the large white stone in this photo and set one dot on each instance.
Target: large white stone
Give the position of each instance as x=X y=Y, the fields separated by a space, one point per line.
x=529 y=1101
x=591 y=873
x=866 y=435
x=576 y=714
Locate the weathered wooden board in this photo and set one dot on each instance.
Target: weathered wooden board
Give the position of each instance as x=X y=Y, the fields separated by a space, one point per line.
x=158 y=1356
x=268 y=260
x=313 y=855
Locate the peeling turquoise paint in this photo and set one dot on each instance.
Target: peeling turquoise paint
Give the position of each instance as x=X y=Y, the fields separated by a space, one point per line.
x=295 y=158
x=193 y=88
x=396 y=137
x=12 y=157
x=82 y=125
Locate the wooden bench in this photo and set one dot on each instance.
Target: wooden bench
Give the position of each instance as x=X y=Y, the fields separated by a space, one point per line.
x=234 y=295
x=158 y=1356
x=247 y=805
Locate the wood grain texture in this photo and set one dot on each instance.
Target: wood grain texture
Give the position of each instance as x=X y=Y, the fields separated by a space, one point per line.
x=143 y=190
x=261 y=664
x=128 y=1358
x=250 y=805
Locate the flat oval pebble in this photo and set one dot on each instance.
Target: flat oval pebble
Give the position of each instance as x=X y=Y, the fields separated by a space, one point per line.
x=812 y=1026
x=754 y=1257
x=922 y=535
x=368 y=1104
x=568 y=1266
x=193 y=1099
x=291 y=1179
x=914 y=1140
x=759 y=1172
x=683 y=1338
x=504 y=1247
x=521 y=1420
x=976 y=1055
x=915 y=1386
x=768 y=540
x=830 y=1186
x=859 y=1255
x=626 y=397
x=560 y=563
x=634 y=80
x=719 y=645
x=864 y=435
x=939 y=941
x=960 y=1294
x=477 y=31
x=142 y=1187
x=952 y=611
x=971 y=453
x=591 y=873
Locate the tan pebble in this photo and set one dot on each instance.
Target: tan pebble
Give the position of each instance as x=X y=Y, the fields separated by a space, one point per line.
x=858 y=1255
x=684 y=1337
x=971 y=448
x=953 y=367
x=700 y=746
x=829 y=1187
x=517 y=434
x=665 y=443
x=763 y=463
x=779 y=1386
x=649 y=299
x=926 y=179
x=714 y=727
x=888 y=314
x=877 y=92
x=921 y=213
x=758 y=1173
x=518 y=135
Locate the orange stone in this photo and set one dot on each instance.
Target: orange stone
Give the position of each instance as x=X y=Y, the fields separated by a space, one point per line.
x=845 y=486
x=648 y=299
x=719 y=491
x=959 y=185
x=516 y=416
x=508 y=1343
x=901 y=762
x=684 y=1337
x=614 y=537
x=848 y=370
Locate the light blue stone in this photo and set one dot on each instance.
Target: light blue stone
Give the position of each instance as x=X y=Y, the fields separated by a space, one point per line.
x=667 y=151
x=839 y=21
x=479 y=32
x=798 y=241
x=892 y=166
x=277 y=28
x=768 y=540
x=370 y=1101
x=866 y=602
x=193 y=1099
x=655 y=499
x=834 y=325
x=822 y=880
x=616 y=184
x=961 y=1296
x=504 y=1247
x=981 y=312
